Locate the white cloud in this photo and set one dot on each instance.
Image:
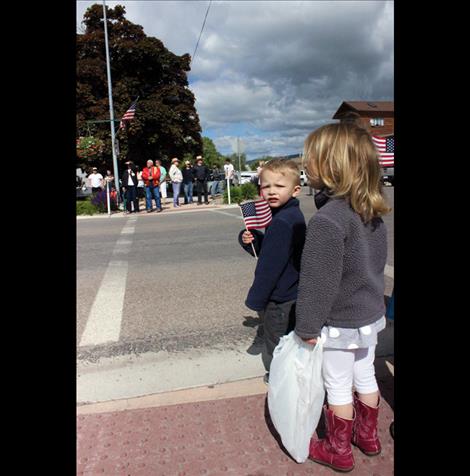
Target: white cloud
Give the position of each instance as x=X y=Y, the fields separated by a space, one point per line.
x=278 y=68
x=225 y=101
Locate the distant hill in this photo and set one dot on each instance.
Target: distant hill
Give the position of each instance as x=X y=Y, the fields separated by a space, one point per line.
x=287 y=157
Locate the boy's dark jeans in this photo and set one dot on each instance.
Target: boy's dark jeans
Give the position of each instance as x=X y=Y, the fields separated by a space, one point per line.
x=279 y=320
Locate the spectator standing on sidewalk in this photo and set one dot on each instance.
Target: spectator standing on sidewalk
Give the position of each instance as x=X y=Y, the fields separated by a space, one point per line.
x=109 y=178
x=215 y=177
x=109 y=182
x=140 y=183
x=274 y=289
x=201 y=174
x=176 y=178
x=129 y=185
x=151 y=178
x=229 y=171
x=188 y=179
x=96 y=181
x=341 y=286
x=163 y=174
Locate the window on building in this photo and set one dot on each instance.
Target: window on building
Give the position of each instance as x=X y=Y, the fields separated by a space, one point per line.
x=376 y=122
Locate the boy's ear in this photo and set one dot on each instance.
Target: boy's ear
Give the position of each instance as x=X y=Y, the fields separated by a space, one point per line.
x=296 y=191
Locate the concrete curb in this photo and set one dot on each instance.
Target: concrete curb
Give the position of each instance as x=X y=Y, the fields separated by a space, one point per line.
x=239 y=388
x=164 y=213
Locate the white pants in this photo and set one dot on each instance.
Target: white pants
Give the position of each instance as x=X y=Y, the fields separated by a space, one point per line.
x=344 y=368
x=163 y=189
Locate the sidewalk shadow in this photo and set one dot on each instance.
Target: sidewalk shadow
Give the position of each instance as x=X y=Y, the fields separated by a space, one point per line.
x=256 y=347
x=385 y=380
x=320 y=431
x=383 y=374
x=272 y=429
x=251 y=321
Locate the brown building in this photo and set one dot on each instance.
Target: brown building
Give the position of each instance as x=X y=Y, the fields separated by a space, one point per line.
x=377 y=116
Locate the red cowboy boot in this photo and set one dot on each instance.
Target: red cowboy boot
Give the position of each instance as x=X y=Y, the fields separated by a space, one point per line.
x=334 y=450
x=365 y=428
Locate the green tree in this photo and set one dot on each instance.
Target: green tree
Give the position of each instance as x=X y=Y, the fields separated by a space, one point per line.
x=166 y=123
x=210 y=153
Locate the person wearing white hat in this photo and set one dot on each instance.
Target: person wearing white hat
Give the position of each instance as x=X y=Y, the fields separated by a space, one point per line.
x=96 y=180
x=176 y=178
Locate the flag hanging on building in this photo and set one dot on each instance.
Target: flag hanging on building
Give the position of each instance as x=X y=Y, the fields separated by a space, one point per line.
x=385 y=146
x=129 y=115
x=257 y=214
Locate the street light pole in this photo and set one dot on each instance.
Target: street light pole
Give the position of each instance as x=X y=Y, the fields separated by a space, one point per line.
x=239 y=163
x=111 y=110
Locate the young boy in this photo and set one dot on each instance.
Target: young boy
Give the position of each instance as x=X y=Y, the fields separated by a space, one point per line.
x=274 y=289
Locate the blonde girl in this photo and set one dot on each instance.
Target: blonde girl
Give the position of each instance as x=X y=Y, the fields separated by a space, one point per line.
x=341 y=286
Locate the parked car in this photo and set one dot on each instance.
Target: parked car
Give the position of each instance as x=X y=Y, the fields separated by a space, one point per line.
x=82 y=191
x=220 y=178
x=246 y=177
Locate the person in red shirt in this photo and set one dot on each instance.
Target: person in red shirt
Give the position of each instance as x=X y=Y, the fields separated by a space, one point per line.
x=151 y=178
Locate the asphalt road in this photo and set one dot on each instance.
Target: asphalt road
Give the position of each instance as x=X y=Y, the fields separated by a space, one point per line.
x=186 y=279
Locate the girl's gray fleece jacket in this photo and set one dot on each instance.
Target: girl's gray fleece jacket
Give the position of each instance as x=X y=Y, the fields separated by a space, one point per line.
x=341 y=280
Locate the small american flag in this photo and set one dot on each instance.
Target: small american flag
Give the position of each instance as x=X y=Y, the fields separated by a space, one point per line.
x=385 y=147
x=257 y=214
x=129 y=115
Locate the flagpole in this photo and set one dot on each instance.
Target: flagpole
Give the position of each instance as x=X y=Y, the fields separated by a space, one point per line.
x=107 y=198
x=111 y=110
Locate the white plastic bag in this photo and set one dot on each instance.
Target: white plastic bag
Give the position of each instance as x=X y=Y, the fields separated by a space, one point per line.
x=296 y=393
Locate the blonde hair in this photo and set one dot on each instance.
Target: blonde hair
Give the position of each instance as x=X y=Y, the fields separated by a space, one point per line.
x=283 y=167
x=343 y=158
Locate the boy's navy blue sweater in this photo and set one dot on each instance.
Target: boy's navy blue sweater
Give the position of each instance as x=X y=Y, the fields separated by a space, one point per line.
x=279 y=252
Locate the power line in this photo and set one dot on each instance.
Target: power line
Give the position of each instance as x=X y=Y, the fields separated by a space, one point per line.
x=202 y=29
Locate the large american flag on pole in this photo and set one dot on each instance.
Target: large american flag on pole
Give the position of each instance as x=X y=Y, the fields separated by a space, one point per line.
x=129 y=115
x=385 y=146
x=257 y=214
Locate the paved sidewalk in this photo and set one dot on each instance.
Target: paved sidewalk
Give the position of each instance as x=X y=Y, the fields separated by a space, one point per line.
x=167 y=208
x=218 y=436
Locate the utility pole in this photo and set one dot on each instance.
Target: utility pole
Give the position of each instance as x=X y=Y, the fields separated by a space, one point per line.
x=111 y=110
x=239 y=163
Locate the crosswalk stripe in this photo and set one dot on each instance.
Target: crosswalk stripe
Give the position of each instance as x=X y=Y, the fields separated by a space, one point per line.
x=104 y=321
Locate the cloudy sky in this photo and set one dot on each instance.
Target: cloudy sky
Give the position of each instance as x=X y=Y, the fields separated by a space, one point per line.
x=270 y=72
